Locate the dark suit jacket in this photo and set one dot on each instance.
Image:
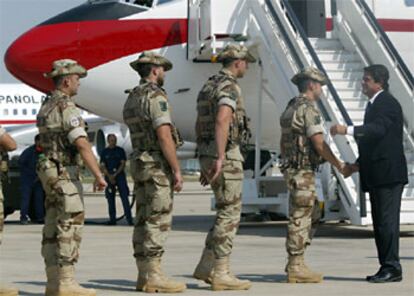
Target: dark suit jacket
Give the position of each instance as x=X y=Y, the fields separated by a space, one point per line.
x=380 y=144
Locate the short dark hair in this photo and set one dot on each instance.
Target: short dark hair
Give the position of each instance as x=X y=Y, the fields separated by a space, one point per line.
x=227 y=62
x=110 y=135
x=303 y=84
x=379 y=74
x=57 y=80
x=144 y=70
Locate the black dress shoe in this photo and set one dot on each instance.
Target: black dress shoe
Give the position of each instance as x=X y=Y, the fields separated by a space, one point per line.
x=369 y=277
x=387 y=276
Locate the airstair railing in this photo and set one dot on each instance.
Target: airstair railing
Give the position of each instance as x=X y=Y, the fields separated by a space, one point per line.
x=402 y=67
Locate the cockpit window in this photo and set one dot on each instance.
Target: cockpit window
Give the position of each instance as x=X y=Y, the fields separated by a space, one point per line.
x=163 y=1
x=147 y=3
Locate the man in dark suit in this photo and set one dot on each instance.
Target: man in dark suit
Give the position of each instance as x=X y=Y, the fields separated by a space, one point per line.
x=382 y=167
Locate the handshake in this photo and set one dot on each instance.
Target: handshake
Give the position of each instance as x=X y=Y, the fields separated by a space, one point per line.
x=347 y=169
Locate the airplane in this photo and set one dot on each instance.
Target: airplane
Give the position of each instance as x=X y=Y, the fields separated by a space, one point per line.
x=105 y=35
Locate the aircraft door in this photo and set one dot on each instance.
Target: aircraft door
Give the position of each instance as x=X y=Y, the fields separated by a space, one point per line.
x=311 y=15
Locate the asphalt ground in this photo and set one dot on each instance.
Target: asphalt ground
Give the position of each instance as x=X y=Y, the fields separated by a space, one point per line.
x=344 y=254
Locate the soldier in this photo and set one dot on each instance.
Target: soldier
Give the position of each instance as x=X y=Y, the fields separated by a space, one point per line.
x=303 y=149
x=63 y=139
x=221 y=129
x=7 y=143
x=156 y=170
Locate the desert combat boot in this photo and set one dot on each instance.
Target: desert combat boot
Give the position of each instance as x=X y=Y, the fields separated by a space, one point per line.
x=204 y=268
x=223 y=279
x=298 y=272
x=151 y=279
x=61 y=282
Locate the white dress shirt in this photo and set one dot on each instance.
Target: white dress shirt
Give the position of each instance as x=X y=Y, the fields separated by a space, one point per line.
x=350 y=129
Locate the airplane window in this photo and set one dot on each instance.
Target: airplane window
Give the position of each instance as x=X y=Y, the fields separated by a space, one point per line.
x=34 y=111
x=6 y=112
x=163 y=1
x=14 y=111
x=147 y=3
x=24 y=111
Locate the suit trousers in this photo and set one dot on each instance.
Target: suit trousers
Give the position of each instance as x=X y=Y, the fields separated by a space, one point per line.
x=385 y=208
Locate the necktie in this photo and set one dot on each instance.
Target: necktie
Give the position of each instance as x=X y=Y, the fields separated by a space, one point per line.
x=369 y=105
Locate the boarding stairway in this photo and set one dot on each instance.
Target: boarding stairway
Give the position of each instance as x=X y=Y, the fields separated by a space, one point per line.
x=271 y=29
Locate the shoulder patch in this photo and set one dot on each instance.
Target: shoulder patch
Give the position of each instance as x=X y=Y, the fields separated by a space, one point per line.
x=163 y=106
x=74 y=121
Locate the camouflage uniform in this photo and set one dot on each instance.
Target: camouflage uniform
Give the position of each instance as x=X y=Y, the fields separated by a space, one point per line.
x=299 y=122
x=145 y=110
x=222 y=90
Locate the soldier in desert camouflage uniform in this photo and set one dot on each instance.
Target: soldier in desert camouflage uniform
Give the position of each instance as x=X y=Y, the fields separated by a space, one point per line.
x=6 y=144
x=157 y=173
x=221 y=128
x=302 y=150
x=64 y=143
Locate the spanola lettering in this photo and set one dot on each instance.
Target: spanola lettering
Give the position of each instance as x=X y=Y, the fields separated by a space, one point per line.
x=21 y=99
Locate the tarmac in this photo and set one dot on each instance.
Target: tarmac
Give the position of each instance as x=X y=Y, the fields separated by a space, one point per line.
x=345 y=254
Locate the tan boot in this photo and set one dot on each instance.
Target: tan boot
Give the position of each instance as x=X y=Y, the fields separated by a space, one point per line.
x=223 y=279
x=8 y=291
x=64 y=284
x=204 y=268
x=298 y=272
x=151 y=279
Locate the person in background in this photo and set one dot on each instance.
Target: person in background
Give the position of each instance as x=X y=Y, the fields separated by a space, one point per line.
x=30 y=185
x=113 y=159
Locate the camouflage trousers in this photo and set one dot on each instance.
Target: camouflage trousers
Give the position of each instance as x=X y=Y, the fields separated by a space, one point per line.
x=227 y=191
x=1 y=213
x=304 y=211
x=64 y=219
x=153 y=189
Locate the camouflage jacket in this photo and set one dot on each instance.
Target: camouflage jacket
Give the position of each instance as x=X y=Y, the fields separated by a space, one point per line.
x=300 y=120
x=60 y=124
x=221 y=89
x=145 y=110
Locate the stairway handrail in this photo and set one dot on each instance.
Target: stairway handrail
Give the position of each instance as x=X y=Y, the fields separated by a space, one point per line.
x=297 y=27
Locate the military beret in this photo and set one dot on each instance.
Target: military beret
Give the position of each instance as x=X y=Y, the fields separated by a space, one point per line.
x=149 y=57
x=233 y=51
x=66 y=67
x=309 y=73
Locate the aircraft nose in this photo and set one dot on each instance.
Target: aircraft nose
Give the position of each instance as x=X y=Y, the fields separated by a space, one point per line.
x=33 y=53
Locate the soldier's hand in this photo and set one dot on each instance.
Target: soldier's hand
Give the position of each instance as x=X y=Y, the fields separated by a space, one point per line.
x=203 y=179
x=338 y=129
x=99 y=184
x=178 y=181
x=215 y=171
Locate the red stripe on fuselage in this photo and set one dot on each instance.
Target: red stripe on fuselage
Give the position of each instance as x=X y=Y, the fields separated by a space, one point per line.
x=22 y=121
x=91 y=43
x=388 y=25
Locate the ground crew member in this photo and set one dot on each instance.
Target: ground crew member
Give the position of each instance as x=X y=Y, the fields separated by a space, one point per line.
x=30 y=186
x=64 y=143
x=157 y=173
x=221 y=129
x=303 y=149
x=7 y=143
x=113 y=159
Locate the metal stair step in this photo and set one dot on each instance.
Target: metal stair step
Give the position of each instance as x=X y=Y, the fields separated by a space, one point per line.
x=349 y=93
x=344 y=74
x=351 y=66
x=347 y=83
x=354 y=103
x=323 y=43
x=337 y=56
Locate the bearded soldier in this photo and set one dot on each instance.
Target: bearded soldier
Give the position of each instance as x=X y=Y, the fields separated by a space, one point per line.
x=157 y=173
